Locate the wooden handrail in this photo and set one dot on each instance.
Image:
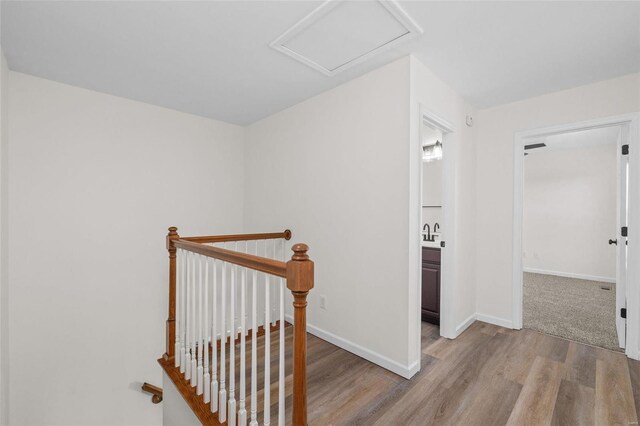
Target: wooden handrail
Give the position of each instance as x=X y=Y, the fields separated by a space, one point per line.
x=197 y=245
x=262 y=264
x=155 y=391
x=239 y=237
x=299 y=274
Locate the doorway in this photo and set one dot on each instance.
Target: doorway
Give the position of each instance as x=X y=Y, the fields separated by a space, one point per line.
x=436 y=226
x=569 y=226
x=574 y=186
x=431 y=240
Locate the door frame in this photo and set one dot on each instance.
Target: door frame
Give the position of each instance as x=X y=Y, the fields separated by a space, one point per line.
x=625 y=121
x=447 y=259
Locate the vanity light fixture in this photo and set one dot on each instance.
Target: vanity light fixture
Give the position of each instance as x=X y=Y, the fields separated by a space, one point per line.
x=535 y=145
x=432 y=152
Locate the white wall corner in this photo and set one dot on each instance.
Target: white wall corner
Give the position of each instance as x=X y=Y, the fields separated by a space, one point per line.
x=414 y=249
x=465 y=324
x=495 y=320
x=4 y=301
x=406 y=371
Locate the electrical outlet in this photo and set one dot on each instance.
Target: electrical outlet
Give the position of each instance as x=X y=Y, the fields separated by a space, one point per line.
x=323 y=302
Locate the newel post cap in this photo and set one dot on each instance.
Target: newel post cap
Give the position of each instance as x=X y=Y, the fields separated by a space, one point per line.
x=300 y=269
x=300 y=251
x=172 y=235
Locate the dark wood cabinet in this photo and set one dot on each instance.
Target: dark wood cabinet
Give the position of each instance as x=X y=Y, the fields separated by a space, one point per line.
x=431 y=285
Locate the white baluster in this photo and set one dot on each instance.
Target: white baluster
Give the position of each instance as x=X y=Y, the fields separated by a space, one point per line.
x=189 y=324
x=222 y=394
x=194 y=365
x=207 y=339
x=200 y=377
x=183 y=302
x=274 y=289
x=281 y=407
x=183 y=329
x=254 y=362
x=242 y=411
x=214 y=341
x=178 y=322
x=247 y=294
x=267 y=348
x=232 y=340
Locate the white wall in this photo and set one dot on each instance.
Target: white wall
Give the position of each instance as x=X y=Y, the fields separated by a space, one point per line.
x=343 y=171
x=431 y=181
x=334 y=169
x=494 y=178
x=89 y=171
x=432 y=193
x=175 y=411
x=434 y=96
x=570 y=211
x=4 y=301
x=94 y=182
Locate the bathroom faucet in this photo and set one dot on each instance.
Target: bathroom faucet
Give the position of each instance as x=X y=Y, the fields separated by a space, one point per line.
x=436 y=227
x=428 y=229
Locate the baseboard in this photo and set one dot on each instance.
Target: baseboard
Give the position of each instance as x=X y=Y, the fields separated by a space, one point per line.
x=495 y=320
x=405 y=371
x=570 y=275
x=465 y=324
x=632 y=354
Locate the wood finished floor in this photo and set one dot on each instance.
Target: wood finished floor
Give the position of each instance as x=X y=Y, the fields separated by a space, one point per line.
x=488 y=376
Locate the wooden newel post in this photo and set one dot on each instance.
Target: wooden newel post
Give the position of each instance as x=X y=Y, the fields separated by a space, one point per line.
x=171 y=320
x=300 y=281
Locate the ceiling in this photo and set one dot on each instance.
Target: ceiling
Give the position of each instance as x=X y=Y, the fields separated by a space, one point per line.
x=213 y=58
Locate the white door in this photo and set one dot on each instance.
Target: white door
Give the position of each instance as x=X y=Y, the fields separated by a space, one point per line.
x=621 y=247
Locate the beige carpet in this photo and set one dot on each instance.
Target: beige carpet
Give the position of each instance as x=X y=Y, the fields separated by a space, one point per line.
x=574 y=309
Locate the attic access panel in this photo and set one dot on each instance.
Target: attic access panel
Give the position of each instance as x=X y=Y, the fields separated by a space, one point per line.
x=340 y=34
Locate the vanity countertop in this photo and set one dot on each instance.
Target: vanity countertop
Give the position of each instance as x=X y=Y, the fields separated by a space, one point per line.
x=431 y=244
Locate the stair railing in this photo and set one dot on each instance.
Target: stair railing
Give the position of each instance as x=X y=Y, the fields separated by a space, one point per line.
x=211 y=279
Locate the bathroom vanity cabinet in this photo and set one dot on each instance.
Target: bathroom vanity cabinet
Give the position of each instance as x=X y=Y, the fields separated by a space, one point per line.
x=431 y=285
